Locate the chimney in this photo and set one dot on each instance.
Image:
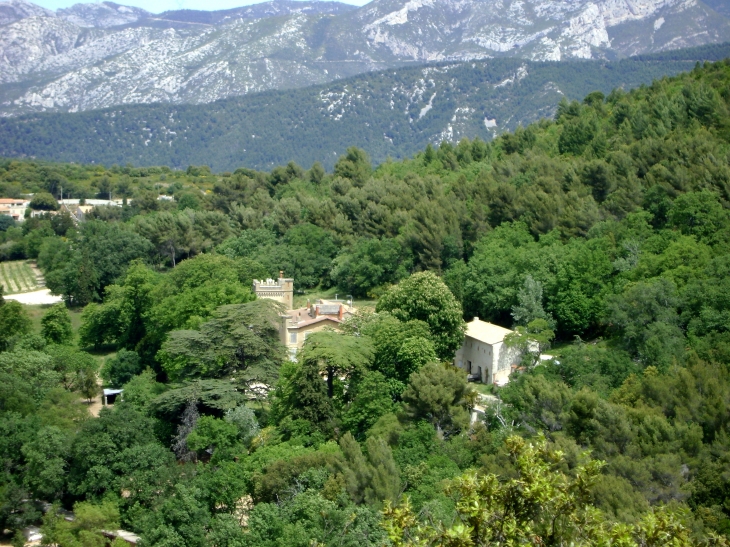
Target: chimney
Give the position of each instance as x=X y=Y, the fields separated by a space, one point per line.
x=339 y=314
x=316 y=311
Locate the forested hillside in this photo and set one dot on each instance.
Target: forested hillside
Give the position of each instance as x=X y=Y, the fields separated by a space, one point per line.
x=391 y=113
x=603 y=232
x=92 y=56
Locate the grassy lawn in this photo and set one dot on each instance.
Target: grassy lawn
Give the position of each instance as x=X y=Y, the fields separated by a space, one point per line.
x=36 y=313
x=483 y=389
x=557 y=349
x=17 y=277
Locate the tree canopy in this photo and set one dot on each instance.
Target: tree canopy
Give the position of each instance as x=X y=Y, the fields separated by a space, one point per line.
x=601 y=234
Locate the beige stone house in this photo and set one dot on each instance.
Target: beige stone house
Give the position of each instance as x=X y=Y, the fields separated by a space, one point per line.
x=297 y=324
x=484 y=356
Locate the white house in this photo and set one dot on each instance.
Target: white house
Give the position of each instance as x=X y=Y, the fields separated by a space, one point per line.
x=484 y=355
x=14 y=208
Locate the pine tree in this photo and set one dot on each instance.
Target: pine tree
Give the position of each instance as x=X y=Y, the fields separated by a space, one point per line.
x=529 y=303
x=384 y=476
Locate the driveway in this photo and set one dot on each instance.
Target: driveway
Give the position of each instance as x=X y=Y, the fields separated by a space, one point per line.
x=36 y=297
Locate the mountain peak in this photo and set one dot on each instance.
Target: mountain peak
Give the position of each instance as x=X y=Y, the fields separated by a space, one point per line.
x=102 y=15
x=14 y=10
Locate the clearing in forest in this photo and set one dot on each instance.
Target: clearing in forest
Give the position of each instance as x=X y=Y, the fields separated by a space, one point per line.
x=18 y=276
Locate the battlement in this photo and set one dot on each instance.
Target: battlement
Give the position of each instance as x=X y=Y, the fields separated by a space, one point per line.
x=280 y=290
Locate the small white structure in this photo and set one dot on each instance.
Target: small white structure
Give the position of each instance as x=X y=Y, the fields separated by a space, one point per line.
x=71 y=203
x=128 y=537
x=109 y=396
x=483 y=355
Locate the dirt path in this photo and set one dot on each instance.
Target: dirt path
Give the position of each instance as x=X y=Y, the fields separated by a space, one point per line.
x=39 y=279
x=95 y=406
x=96 y=403
x=43 y=296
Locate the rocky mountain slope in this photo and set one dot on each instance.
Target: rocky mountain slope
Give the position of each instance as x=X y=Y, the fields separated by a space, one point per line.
x=390 y=113
x=97 y=55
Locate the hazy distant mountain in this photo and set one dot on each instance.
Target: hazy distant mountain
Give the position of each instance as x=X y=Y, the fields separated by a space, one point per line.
x=390 y=113
x=98 y=55
x=15 y=10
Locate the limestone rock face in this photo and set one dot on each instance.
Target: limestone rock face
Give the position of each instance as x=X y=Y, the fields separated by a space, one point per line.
x=15 y=10
x=103 y=54
x=103 y=15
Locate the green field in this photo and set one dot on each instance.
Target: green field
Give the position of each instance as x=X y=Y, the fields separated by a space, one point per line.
x=17 y=276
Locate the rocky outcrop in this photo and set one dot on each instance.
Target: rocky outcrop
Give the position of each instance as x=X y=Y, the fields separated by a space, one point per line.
x=15 y=10
x=97 y=55
x=102 y=15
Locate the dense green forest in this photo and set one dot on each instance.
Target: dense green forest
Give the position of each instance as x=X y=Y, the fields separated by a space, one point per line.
x=392 y=113
x=603 y=232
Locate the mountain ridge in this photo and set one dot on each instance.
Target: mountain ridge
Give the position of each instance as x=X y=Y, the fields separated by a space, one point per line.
x=94 y=56
x=390 y=113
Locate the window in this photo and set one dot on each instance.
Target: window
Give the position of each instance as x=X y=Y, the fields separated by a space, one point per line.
x=292 y=337
x=306 y=335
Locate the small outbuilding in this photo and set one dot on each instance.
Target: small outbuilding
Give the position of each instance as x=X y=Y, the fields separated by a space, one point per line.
x=484 y=356
x=127 y=537
x=110 y=396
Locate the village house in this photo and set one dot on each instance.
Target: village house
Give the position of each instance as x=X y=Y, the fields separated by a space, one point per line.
x=14 y=208
x=484 y=356
x=297 y=324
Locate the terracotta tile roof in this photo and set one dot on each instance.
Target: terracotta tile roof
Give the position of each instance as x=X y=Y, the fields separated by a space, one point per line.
x=313 y=320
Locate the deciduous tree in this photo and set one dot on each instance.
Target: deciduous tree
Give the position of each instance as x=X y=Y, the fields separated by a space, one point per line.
x=426 y=297
x=56 y=325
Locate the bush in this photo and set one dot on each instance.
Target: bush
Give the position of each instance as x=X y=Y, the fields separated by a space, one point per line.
x=56 y=325
x=43 y=201
x=122 y=368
